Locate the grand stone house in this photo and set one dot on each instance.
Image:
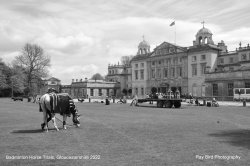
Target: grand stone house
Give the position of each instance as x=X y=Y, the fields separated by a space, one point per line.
x=203 y=69
x=164 y=68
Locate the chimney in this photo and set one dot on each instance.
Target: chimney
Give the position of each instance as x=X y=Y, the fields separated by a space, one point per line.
x=72 y=80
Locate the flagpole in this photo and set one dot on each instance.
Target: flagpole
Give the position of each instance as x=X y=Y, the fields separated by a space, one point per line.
x=173 y=23
x=174 y=34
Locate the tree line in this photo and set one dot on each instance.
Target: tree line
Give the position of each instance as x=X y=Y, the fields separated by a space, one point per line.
x=24 y=75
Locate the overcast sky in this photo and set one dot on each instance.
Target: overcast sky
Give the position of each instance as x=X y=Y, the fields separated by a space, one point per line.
x=84 y=36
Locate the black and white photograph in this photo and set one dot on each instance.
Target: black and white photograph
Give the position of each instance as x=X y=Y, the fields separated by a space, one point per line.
x=124 y=83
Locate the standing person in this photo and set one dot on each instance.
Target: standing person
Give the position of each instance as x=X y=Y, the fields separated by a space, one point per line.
x=134 y=101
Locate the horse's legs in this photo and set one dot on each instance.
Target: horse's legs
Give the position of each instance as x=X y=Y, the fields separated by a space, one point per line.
x=64 y=121
x=54 y=121
x=45 y=124
x=50 y=116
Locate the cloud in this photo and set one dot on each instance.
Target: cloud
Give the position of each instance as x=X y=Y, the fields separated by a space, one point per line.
x=83 y=37
x=74 y=72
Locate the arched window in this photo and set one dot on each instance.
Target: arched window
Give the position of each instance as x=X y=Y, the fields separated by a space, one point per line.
x=205 y=40
x=200 y=40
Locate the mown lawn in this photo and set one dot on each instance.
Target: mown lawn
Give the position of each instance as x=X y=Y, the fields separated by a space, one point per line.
x=118 y=134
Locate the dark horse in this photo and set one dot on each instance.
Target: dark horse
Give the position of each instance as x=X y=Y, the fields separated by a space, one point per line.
x=61 y=103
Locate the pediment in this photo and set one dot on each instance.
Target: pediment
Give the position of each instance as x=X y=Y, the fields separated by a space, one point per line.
x=166 y=48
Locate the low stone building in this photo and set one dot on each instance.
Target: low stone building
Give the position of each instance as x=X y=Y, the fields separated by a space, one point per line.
x=94 y=89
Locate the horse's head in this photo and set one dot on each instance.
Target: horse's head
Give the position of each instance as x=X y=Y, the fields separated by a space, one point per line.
x=76 y=116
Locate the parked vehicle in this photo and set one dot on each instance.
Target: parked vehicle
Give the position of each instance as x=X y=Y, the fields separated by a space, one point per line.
x=241 y=93
x=17 y=98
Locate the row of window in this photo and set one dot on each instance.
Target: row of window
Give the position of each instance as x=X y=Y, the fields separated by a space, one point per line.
x=174 y=72
x=141 y=92
x=100 y=92
x=230 y=87
x=141 y=74
x=137 y=65
x=202 y=69
x=167 y=61
x=203 y=58
x=231 y=59
x=113 y=71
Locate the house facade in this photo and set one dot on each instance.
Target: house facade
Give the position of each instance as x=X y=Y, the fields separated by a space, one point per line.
x=203 y=69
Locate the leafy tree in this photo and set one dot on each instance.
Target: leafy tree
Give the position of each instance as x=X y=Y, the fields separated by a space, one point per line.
x=18 y=79
x=34 y=62
x=4 y=86
x=153 y=90
x=125 y=91
x=97 y=76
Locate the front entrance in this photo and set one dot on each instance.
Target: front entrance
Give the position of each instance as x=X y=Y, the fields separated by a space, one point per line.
x=174 y=89
x=163 y=88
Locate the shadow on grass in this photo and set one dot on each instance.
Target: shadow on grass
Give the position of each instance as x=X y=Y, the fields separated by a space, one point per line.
x=28 y=131
x=154 y=106
x=235 y=137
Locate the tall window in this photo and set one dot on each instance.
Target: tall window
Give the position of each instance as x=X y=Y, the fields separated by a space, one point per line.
x=142 y=74
x=153 y=73
x=153 y=63
x=142 y=65
x=166 y=62
x=203 y=68
x=231 y=60
x=107 y=94
x=221 y=60
x=175 y=61
x=159 y=73
x=194 y=70
x=91 y=92
x=159 y=62
x=172 y=72
x=136 y=65
x=142 y=91
x=243 y=57
x=99 y=92
x=179 y=71
x=230 y=88
x=136 y=74
x=203 y=57
x=193 y=58
x=136 y=91
x=165 y=72
x=215 y=89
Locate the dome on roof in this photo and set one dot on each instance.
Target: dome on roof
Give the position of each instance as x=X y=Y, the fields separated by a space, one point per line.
x=204 y=31
x=144 y=44
x=143 y=47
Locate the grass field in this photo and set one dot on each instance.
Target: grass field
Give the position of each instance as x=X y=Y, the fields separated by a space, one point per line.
x=118 y=134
